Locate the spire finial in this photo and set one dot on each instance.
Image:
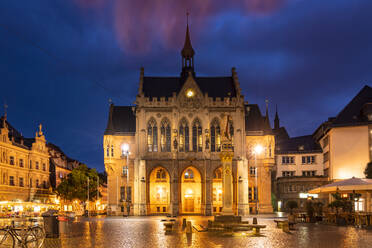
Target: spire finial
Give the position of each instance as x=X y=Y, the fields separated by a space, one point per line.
x=187 y=17
x=276 y=120
x=267 y=106
x=187 y=52
x=40 y=131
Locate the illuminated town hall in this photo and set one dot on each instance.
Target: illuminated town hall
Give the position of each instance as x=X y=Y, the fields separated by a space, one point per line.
x=163 y=155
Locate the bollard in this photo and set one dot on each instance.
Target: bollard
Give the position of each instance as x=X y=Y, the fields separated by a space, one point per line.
x=183 y=223
x=254 y=221
x=188 y=227
x=285 y=227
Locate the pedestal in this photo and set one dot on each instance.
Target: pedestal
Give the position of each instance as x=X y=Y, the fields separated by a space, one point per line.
x=227 y=182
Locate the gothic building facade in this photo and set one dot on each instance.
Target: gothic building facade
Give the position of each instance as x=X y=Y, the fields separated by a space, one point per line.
x=162 y=155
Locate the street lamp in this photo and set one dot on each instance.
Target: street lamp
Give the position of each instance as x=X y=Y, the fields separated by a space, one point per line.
x=257 y=150
x=125 y=152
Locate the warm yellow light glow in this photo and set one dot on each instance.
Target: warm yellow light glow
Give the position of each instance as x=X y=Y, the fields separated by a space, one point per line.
x=258 y=149
x=189 y=93
x=160 y=191
x=219 y=191
x=125 y=148
x=188 y=193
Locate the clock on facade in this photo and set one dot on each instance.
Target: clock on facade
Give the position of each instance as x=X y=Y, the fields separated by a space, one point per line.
x=190 y=93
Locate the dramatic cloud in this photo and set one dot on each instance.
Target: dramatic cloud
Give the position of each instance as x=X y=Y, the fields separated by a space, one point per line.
x=62 y=60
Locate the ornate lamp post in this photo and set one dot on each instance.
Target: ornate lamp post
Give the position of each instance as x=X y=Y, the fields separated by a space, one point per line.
x=257 y=150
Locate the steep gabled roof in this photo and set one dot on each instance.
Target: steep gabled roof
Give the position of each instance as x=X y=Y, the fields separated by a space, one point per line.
x=121 y=120
x=254 y=121
x=301 y=144
x=165 y=86
x=352 y=113
x=280 y=134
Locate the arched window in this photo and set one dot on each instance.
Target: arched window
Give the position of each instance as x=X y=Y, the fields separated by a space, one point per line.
x=165 y=136
x=112 y=150
x=108 y=151
x=152 y=136
x=161 y=174
x=215 y=136
x=189 y=174
x=184 y=136
x=197 y=139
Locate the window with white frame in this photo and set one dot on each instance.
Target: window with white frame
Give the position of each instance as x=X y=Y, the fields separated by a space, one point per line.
x=308 y=159
x=288 y=159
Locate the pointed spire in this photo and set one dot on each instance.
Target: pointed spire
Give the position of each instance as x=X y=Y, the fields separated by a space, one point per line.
x=267 y=121
x=276 y=120
x=187 y=51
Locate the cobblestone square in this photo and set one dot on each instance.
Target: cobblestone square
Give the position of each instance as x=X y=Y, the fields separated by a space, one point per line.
x=149 y=232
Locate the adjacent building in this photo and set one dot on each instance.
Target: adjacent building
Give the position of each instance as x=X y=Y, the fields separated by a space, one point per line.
x=24 y=169
x=162 y=155
x=299 y=168
x=346 y=139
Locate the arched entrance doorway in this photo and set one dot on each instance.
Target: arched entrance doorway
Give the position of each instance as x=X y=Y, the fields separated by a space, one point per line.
x=159 y=191
x=217 y=191
x=191 y=191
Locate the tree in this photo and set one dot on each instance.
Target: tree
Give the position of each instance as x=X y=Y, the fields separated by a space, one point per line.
x=75 y=186
x=292 y=205
x=368 y=170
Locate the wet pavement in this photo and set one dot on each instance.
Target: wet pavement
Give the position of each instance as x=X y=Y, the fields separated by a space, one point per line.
x=149 y=232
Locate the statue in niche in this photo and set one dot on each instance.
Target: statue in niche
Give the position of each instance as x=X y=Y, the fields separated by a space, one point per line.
x=226 y=131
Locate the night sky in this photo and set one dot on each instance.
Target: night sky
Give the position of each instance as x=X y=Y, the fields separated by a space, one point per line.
x=62 y=60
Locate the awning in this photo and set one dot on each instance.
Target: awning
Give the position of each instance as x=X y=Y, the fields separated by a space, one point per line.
x=352 y=184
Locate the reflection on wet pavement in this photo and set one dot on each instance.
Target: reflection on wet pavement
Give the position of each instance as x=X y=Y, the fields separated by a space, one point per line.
x=149 y=232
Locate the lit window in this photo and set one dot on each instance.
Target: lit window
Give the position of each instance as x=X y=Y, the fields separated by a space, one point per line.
x=152 y=136
x=189 y=174
x=165 y=136
x=215 y=136
x=184 y=136
x=21 y=182
x=11 y=181
x=197 y=136
x=252 y=170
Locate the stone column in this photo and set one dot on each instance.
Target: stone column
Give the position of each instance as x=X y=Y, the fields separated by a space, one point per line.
x=227 y=181
x=243 y=205
x=208 y=188
x=264 y=189
x=139 y=203
x=142 y=178
x=174 y=188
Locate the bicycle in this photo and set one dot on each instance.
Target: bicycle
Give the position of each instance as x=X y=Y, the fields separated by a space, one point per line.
x=26 y=237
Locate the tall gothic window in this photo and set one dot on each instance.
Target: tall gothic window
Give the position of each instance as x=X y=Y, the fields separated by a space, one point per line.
x=112 y=150
x=152 y=136
x=184 y=136
x=107 y=152
x=215 y=136
x=165 y=136
x=197 y=139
